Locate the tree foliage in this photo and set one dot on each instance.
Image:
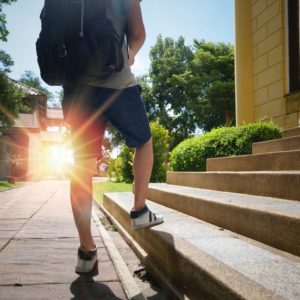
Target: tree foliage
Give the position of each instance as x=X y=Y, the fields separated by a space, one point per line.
x=10 y=96
x=189 y=88
x=11 y=101
x=3 y=30
x=163 y=93
x=213 y=85
x=29 y=78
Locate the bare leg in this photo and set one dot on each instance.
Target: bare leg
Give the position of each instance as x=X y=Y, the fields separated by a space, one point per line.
x=142 y=169
x=81 y=201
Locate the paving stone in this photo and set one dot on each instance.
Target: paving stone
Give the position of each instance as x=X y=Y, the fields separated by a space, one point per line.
x=11 y=224
x=3 y=242
x=97 y=290
x=102 y=254
x=9 y=227
x=38 y=263
x=76 y=291
x=107 y=271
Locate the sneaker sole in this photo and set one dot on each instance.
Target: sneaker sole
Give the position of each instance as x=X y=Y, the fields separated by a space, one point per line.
x=92 y=273
x=142 y=226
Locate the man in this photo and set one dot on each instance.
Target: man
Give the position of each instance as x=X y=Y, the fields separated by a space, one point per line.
x=87 y=109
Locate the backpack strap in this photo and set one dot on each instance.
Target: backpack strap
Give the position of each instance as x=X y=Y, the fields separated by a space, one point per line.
x=62 y=50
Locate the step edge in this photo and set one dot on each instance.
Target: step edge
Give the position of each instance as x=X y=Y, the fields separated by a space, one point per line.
x=256 y=155
x=141 y=253
x=281 y=253
x=261 y=172
x=283 y=139
x=208 y=199
x=274 y=228
x=129 y=285
x=251 y=285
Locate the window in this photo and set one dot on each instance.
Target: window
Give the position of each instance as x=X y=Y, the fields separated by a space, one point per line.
x=294 y=44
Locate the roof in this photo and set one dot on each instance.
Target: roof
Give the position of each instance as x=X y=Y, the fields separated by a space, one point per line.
x=27 y=89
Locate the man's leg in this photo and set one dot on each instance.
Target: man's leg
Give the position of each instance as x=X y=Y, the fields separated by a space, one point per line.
x=81 y=200
x=142 y=169
x=141 y=216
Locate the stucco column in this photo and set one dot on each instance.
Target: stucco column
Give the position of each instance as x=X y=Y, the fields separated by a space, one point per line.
x=244 y=97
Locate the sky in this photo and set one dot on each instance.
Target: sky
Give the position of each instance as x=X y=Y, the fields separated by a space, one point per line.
x=211 y=20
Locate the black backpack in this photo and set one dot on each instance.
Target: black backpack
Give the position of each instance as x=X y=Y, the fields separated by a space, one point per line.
x=81 y=40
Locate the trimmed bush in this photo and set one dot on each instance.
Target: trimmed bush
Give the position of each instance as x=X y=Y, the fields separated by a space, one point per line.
x=191 y=154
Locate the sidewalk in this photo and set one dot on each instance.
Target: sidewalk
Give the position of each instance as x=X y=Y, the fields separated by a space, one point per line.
x=38 y=246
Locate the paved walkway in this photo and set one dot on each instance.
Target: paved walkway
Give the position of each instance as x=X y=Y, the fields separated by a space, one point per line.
x=38 y=245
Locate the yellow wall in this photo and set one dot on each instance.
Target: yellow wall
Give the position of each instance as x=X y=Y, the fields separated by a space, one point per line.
x=243 y=61
x=261 y=55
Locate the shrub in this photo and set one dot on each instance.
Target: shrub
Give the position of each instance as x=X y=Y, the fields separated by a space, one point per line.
x=126 y=158
x=191 y=154
x=160 y=139
x=114 y=169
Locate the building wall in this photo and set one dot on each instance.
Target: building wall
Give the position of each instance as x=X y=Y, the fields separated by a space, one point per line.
x=34 y=161
x=267 y=65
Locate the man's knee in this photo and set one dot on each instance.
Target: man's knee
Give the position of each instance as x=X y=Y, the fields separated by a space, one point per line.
x=146 y=144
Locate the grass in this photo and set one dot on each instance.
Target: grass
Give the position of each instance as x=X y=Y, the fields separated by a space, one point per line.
x=4 y=185
x=109 y=187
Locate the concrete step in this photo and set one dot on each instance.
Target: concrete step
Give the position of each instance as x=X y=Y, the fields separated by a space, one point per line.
x=285 y=160
x=273 y=221
x=291 y=132
x=207 y=262
x=278 y=184
x=285 y=144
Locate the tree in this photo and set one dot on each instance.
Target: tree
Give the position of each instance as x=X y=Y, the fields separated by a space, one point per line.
x=165 y=95
x=189 y=88
x=212 y=83
x=3 y=30
x=10 y=97
x=30 y=79
x=11 y=101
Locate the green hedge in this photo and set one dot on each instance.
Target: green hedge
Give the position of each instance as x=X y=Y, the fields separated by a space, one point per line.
x=121 y=168
x=191 y=154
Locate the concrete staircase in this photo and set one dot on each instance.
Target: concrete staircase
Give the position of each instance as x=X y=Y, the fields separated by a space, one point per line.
x=230 y=233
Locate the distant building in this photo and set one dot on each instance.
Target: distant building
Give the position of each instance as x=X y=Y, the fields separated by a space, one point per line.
x=267 y=61
x=31 y=137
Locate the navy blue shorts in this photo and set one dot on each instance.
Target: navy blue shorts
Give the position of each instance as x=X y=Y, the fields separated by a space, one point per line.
x=87 y=109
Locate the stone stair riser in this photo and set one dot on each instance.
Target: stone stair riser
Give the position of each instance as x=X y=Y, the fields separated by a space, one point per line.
x=285 y=186
x=287 y=144
x=291 y=132
x=281 y=232
x=280 y=161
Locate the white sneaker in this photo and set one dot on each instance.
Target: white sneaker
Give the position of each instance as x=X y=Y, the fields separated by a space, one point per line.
x=144 y=218
x=87 y=262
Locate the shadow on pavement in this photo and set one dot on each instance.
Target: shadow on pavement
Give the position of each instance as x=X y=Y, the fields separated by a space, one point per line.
x=88 y=289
